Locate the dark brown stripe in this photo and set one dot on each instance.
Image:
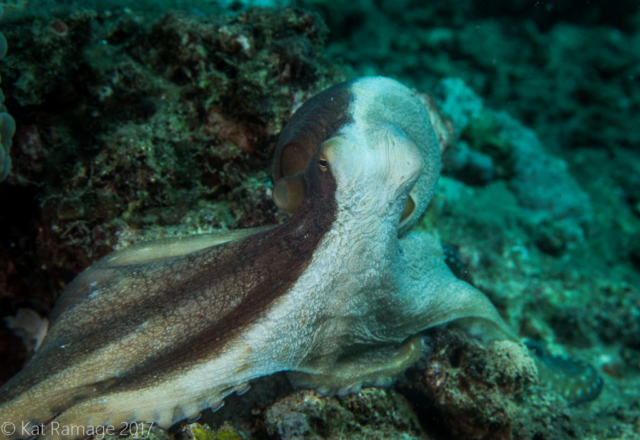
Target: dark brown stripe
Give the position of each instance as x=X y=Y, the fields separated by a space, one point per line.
x=277 y=260
x=259 y=268
x=277 y=257
x=317 y=120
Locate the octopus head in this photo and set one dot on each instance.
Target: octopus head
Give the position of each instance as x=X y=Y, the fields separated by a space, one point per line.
x=374 y=137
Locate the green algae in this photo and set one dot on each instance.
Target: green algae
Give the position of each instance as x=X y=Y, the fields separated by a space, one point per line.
x=196 y=431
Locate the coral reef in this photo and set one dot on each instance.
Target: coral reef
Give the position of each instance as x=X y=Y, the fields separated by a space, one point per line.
x=134 y=129
x=486 y=393
x=540 y=181
x=371 y=414
x=493 y=392
x=573 y=379
x=133 y=125
x=568 y=71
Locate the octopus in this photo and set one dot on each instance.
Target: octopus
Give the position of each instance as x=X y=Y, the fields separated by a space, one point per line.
x=339 y=296
x=454 y=262
x=577 y=381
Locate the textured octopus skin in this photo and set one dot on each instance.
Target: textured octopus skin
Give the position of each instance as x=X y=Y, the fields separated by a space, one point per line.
x=337 y=296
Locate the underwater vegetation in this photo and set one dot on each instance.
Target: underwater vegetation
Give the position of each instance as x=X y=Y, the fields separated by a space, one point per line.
x=137 y=124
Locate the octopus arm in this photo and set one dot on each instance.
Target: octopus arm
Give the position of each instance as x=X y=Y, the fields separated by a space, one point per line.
x=154 y=251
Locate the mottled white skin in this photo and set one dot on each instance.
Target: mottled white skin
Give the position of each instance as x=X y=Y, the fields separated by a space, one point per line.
x=354 y=316
x=369 y=290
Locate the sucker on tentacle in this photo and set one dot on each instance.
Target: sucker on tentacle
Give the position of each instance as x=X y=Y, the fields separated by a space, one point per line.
x=575 y=380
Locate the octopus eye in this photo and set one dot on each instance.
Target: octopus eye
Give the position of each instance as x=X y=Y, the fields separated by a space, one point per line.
x=289 y=192
x=409 y=207
x=323 y=164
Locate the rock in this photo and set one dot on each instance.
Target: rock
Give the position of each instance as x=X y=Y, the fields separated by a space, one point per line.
x=373 y=413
